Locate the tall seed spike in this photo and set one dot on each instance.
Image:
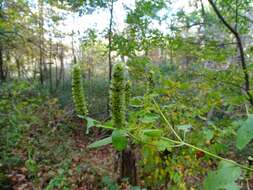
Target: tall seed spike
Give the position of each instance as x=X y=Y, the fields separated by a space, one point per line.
x=118 y=96
x=78 y=92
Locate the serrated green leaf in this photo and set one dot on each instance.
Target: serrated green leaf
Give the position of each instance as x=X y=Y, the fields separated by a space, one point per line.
x=162 y=145
x=245 y=132
x=100 y=143
x=185 y=128
x=149 y=118
x=152 y=132
x=119 y=139
x=223 y=178
x=136 y=102
x=208 y=134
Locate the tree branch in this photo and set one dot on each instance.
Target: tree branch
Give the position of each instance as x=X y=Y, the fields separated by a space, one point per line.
x=241 y=51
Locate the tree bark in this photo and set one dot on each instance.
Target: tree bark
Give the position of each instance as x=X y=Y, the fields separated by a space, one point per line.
x=241 y=51
x=18 y=67
x=50 y=67
x=72 y=48
x=110 y=41
x=62 y=65
x=41 y=59
x=128 y=166
x=110 y=51
x=2 y=75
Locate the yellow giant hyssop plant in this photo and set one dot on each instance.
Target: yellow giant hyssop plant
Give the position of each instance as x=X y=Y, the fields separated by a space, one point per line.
x=78 y=92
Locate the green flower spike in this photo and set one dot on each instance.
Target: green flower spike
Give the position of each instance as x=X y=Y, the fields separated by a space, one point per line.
x=118 y=96
x=78 y=92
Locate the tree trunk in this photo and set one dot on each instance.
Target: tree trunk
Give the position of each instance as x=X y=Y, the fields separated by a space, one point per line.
x=110 y=51
x=41 y=23
x=50 y=67
x=62 y=65
x=128 y=166
x=18 y=67
x=2 y=75
x=110 y=41
x=56 y=73
x=56 y=68
x=171 y=56
x=73 y=48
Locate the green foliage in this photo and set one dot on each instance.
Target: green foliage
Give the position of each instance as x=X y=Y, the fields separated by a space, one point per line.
x=110 y=184
x=149 y=118
x=78 y=92
x=245 y=132
x=85 y=6
x=31 y=166
x=224 y=178
x=101 y=142
x=58 y=181
x=119 y=139
x=185 y=128
x=152 y=132
x=17 y=116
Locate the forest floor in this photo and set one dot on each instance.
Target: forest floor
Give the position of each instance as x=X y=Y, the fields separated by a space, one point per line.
x=62 y=160
x=43 y=146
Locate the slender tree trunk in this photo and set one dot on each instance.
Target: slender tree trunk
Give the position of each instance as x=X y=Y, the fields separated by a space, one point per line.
x=73 y=48
x=35 y=67
x=2 y=75
x=41 y=33
x=56 y=68
x=56 y=73
x=18 y=67
x=62 y=64
x=171 y=56
x=110 y=51
x=236 y=15
x=50 y=67
x=110 y=41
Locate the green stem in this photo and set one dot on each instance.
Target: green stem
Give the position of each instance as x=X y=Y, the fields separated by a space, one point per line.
x=181 y=142
x=208 y=153
x=173 y=141
x=167 y=122
x=219 y=157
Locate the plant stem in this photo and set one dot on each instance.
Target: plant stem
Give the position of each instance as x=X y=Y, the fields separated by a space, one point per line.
x=167 y=122
x=218 y=157
x=182 y=142
x=208 y=153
